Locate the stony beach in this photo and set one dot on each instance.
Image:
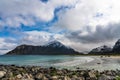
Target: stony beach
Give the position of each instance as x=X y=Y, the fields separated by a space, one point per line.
x=13 y=72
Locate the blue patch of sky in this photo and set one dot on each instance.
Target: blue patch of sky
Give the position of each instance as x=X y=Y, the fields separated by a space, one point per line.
x=44 y=26
x=44 y=0
x=40 y=26
x=10 y=32
x=56 y=17
x=99 y=15
x=0 y=18
x=5 y=32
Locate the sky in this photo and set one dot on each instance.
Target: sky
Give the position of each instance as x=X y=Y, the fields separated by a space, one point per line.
x=80 y=24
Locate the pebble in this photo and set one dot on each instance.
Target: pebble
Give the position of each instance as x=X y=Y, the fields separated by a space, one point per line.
x=12 y=72
x=2 y=74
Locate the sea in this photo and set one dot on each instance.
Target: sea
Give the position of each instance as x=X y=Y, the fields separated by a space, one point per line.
x=62 y=61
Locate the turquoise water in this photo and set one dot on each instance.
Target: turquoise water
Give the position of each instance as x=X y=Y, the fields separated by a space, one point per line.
x=70 y=62
x=35 y=60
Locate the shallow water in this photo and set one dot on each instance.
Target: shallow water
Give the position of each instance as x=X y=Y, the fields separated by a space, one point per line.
x=62 y=61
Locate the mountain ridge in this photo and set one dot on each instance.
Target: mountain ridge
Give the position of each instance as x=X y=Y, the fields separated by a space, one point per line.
x=101 y=50
x=52 y=48
x=107 y=50
x=116 y=47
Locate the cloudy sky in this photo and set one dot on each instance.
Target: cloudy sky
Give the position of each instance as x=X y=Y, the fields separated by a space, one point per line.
x=80 y=24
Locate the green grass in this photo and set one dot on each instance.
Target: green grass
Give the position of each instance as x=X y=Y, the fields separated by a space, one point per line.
x=118 y=78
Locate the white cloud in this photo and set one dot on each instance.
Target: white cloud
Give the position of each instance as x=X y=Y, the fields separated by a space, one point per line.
x=42 y=38
x=36 y=38
x=6 y=46
x=90 y=13
x=95 y=21
x=28 y=12
x=91 y=23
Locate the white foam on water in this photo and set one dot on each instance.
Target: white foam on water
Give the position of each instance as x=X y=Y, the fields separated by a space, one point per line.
x=76 y=61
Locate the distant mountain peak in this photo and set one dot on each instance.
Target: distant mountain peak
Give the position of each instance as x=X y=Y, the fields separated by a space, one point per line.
x=52 y=48
x=117 y=43
x=104 y=47
x=116 y=47
x=22 y=46
x=118 y=40
x=55 y=44
x=101 y=49
x=107 y=50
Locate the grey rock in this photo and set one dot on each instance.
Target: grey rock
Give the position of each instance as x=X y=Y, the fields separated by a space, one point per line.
x=103 y=77
x=80 y=78
x=2 y=74
x=39 y=76
x=45 y=78
x=92 y=75
x=19 y=76
x=66 y=78
x=54 y=77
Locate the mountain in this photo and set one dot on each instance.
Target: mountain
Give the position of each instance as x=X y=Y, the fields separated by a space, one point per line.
x=52 y=48
x=101 y=50
x=116 y=47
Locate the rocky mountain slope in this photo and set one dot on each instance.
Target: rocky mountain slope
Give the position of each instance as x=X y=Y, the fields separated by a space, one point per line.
x=116 y=47
x=107 y=50
x=101 y=50
x=52 y=48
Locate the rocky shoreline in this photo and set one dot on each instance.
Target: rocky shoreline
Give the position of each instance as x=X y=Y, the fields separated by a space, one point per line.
x=13 y=72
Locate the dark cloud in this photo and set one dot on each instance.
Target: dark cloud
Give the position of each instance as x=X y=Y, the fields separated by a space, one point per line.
x=108 y=33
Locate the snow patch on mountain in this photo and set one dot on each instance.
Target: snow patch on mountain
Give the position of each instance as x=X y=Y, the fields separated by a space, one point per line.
x=56 y=44
x=102 y=49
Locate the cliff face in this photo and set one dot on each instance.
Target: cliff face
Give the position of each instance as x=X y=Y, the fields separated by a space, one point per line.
x=52 y=48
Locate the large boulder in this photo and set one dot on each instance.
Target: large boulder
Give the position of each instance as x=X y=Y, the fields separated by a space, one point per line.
x=2 y=74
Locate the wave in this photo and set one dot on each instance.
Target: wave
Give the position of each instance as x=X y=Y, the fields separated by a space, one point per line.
x=76 y=61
